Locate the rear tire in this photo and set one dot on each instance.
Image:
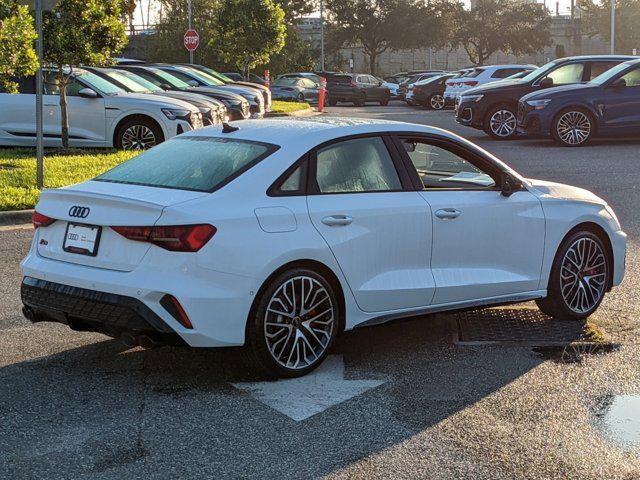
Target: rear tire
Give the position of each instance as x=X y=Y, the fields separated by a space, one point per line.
x=500 y=122
x=436 y=102
x=331 y=102
x=579 y=277
x=138 y=133
x=360 y=101
x=384 y=103
x=294 y=324
x=301 y=98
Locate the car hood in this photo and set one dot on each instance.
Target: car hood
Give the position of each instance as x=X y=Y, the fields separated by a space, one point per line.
x=561 y=90
x=147 y=99
x=218 y=92
x=558 y=191
x=194 y=98
x=500 y=85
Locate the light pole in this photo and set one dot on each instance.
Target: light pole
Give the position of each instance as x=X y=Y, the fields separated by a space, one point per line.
x=39 y=135
x=322 y=35
x=613 y=27
x=190 y=26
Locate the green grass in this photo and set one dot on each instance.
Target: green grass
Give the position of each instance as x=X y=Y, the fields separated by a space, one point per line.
x=18 y=172
x=279 y=106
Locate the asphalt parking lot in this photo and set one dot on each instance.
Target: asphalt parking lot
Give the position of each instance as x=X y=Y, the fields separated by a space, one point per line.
x=412 y=399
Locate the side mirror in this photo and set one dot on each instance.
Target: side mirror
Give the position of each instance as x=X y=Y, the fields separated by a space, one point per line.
x=87 y=93
x=510 y=184
x=546 y=82
x=620 y=83
x=193 y=83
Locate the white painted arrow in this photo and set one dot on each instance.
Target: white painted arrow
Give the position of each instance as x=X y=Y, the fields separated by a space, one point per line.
x=301 y=398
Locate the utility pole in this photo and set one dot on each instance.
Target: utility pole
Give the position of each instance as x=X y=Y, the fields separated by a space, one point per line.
x=190 y=27
x=322 y=35
x=39 y=135
x=613 y=27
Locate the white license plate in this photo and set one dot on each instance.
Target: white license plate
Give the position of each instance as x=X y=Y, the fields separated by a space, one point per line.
x=82 y=239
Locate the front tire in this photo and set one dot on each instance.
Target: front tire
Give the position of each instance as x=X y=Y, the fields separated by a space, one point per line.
x=138 y=133
x=384 y=102
x=573 y=127
x=501 y=122
x=579 y=277
x=360 y=101
x=294 y=324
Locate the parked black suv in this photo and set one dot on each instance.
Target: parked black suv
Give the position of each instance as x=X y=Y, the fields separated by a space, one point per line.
x=493 y=107
x=357 y=88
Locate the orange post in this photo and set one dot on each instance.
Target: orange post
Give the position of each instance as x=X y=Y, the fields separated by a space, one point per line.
x=321 y=94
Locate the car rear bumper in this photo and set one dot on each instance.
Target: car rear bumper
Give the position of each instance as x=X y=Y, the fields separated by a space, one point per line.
x=216 y=303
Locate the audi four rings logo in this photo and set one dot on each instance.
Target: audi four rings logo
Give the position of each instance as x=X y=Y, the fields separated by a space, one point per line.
x=79 y=212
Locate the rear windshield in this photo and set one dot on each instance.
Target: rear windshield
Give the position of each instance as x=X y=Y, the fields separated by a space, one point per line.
x=202 y=164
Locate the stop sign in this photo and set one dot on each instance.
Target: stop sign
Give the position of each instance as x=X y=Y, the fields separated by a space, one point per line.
x=191 y=40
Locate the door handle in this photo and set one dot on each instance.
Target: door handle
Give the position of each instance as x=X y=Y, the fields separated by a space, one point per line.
x=448 y=213
x=337 y=220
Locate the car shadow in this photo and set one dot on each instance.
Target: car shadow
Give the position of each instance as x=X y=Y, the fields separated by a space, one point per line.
x=104 y=409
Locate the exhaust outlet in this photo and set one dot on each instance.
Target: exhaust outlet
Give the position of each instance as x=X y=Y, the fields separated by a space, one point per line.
x=147 y=342
x=29 y=314
x=129 y=340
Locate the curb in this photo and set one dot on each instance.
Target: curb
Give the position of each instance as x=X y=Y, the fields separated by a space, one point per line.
x=307 y=112
x=15 y=217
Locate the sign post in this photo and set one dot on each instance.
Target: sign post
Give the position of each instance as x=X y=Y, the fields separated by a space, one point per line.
x=39 y=134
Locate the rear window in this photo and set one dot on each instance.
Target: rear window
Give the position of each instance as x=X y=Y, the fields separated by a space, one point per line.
x=202 y=164
x=474 y=73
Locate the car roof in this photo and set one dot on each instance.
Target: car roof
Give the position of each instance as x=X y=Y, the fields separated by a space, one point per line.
x=310 y=131
x=598 y=57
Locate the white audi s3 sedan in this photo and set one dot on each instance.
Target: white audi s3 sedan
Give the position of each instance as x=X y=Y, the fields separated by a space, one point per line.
x=281 y=234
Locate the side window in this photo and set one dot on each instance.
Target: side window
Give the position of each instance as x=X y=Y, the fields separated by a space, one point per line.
x=632 y=78
x=358 y=165
x=27 y=85
x=294 y=184
x=73 y=87
x=442 y=168
x=50 y=84
x=571 y=73
x=598 y=68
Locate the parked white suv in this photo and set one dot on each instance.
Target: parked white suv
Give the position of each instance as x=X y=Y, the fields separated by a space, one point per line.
x=101 y=114
x=474 y=77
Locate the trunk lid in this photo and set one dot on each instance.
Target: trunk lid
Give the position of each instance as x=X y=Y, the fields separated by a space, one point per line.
x=103 y=204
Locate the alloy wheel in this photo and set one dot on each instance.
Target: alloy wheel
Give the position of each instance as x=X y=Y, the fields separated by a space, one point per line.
x=138 y=137
x=574 y=128
x=299 y=323
x=583 y=275
x=503 y=123
x=437 y=102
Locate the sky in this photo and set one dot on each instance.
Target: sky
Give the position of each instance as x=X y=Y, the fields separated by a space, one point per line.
x=143 y=5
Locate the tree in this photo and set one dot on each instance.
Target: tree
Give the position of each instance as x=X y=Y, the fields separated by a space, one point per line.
x=381 y=25
x=596 y=20
x=17 y=35
x=511 y=26
x=249 y=32
x=297 y=55
x=295 y=8
x=79 y=32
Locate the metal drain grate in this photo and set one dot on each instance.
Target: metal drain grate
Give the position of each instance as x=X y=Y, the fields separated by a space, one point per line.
x=521 y=326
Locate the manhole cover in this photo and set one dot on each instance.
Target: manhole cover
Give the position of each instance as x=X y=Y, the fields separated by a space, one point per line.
x=522 y=326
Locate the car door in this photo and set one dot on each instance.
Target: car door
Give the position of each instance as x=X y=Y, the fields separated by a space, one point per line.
x=485 y=245
x=311 y=89
x=622 y=103
x=87 y=116
x=18 y=114
x=375 y=223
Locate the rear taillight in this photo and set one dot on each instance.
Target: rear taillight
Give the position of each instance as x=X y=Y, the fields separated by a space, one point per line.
x=40 y=220
x=470 y=83
x=176 y=238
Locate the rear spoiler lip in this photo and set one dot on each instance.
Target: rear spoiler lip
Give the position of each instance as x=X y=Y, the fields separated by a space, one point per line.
x=60 y=193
